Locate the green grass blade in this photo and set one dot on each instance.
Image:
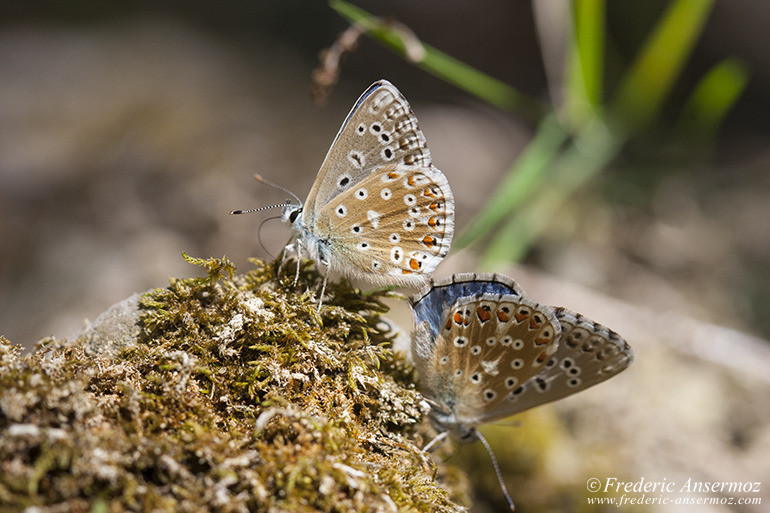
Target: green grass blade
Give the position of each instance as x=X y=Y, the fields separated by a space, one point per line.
x=713 y=98
x=585 y=62
x=590 y=152
x=659 y=63
x=524 y=177
x=446 y=67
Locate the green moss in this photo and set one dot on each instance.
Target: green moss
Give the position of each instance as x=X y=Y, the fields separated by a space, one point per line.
x=238 y=395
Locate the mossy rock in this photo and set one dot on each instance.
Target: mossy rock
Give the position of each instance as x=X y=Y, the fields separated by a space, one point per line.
x=222 y=393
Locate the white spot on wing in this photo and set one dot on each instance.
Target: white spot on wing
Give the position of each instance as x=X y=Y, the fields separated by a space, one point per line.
x=490 y=367
x=374 y=218
x=357 y=159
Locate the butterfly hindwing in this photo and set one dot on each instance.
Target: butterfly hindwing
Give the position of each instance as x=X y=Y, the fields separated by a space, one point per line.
x=432 y=301
x=471 y=389
x=394 y=226
x=488 y=346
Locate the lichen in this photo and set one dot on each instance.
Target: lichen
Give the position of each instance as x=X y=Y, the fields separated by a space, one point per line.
x=238 y=394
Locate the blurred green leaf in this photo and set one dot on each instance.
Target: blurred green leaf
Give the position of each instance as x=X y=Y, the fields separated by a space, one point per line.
x=445 y=67
x=713 y=98
x=592 y=149
x=567 y=152
x=523 y=179
x=660 y=62
x=585 y=62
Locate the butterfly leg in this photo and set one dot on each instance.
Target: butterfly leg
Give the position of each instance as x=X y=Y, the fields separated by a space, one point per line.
x=286 y=249
x=299 y=257
x=323 y=288
x=438 y=440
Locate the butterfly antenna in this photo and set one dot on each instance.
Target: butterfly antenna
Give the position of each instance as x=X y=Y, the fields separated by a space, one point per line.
x=260 y=209
x=261 y=179
x=497 y=469
x=259 y=235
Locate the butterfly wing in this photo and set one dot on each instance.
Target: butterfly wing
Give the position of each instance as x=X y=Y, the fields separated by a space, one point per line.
x=394 y=226
x=380 y=129
x=588 y=353
x=488 y=346
x=431 y=302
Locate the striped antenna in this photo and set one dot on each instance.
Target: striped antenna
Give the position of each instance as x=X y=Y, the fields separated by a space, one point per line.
x=260 y=209
x=497 y=468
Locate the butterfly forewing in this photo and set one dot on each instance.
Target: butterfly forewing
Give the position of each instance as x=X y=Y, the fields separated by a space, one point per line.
x=395 y=225
x=588 y=353
x=488 y=346
x=380 y=129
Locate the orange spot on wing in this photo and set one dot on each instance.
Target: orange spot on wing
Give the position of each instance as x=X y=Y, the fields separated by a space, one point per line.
x=483 y=314
x=432 y=222
x=448 y=325
x=406 y=271
x=414 y=264
x=541 y=357
x=392 y=175
x=429 y=241
x=503 y=317
x=534 y=324
x=458 y=318
x=410 y=181
x=540 y=341
x=429 y=193
x=520 y=317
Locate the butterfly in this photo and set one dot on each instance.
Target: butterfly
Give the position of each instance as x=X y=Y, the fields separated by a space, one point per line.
x=378 y=209
x=485 y=351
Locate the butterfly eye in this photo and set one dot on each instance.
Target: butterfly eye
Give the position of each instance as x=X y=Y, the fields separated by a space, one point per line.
x=294 y=214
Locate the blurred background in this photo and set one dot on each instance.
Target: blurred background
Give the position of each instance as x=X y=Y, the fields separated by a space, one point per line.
x=612 y=157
